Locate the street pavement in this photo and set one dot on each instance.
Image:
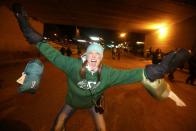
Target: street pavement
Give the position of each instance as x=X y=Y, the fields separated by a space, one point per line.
x=127 y=107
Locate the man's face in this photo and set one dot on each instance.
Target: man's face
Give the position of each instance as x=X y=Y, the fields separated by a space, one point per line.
x=94 y=59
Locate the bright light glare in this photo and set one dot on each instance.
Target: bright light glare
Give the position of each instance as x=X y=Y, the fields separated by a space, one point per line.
x=122 y=35
x=83 y=41
x=139 y=43
x=110 y=46
x=163 y=32
x=156 y=26
x=94 y=38
x=162 y=29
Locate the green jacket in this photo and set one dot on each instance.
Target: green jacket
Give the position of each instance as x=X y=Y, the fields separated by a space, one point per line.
x=81 y=92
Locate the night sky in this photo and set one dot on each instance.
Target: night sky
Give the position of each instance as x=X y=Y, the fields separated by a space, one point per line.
x=69 y=31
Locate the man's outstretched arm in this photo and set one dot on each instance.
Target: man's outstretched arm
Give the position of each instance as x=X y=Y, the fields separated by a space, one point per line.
x=154 y=73
x=33 y=37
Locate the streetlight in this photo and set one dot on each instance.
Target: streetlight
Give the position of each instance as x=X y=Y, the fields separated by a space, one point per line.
x=122 y=35
x=55 y=34
x=94 y=38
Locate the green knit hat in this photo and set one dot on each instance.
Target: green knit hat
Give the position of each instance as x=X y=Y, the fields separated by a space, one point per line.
x=95 y=47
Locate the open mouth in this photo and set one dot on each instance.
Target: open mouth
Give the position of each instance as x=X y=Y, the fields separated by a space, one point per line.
x=93 y=62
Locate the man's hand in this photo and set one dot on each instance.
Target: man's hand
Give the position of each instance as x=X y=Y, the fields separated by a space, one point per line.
x=176 y=99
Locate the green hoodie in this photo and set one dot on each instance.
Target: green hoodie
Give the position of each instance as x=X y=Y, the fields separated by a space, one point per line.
x=82 y=93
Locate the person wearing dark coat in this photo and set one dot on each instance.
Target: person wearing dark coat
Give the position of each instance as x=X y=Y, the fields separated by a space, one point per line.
x=68 y=51
x=192 y=70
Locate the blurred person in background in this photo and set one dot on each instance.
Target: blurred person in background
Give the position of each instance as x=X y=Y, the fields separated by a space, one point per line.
x=192 y=68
